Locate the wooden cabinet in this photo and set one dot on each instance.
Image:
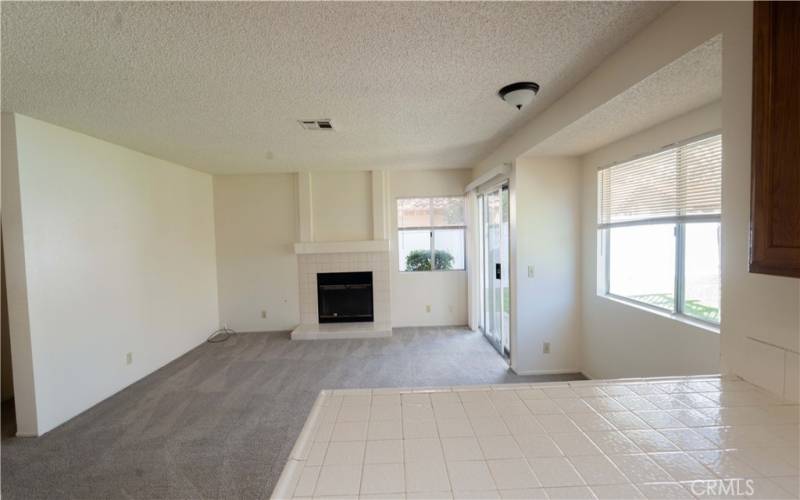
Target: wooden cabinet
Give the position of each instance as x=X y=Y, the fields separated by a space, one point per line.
x=775 y=208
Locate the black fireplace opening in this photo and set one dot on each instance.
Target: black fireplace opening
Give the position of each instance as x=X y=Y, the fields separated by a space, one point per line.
x=344 y=297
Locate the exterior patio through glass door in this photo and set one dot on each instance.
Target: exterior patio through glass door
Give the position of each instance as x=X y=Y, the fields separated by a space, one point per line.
x=493 y=211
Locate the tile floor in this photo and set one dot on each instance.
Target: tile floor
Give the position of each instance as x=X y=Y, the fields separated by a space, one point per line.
x=634 y=438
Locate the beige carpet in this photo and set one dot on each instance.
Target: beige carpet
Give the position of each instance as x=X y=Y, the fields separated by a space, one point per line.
x=220 y=421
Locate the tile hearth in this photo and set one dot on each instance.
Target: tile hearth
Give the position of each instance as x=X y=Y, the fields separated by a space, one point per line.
x=342 y=331
x=686 y=437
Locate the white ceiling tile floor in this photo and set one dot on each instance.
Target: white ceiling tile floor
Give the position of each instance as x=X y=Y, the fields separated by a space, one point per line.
x=691 y=437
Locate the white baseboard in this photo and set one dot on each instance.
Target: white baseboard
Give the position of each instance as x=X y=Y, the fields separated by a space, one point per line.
x=559 y=371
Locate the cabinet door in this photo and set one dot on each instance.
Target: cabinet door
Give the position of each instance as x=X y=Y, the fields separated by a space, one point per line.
x=775 y=209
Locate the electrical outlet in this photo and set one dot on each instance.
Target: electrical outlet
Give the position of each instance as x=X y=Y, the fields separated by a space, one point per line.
x=531 y=271
x=428 y=308
x=129 y=358
x=546 y=348
x=264 y=314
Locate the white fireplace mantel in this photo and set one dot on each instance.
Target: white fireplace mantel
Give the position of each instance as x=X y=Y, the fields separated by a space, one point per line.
x=322 y=247
x=368 y=255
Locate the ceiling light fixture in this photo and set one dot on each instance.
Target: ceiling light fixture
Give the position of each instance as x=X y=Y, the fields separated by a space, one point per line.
x=519 y=94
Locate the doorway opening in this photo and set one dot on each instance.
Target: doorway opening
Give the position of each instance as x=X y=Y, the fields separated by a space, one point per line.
x=494 y=255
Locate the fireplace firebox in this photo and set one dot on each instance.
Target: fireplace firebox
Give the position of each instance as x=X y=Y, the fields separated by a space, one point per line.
x=344 y=297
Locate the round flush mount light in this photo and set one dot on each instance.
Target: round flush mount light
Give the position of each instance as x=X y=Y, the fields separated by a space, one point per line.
x=519 y=94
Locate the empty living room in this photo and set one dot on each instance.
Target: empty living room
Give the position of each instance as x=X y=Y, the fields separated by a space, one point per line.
x=400 y=250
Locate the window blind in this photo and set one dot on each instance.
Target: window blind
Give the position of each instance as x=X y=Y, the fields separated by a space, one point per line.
x=678 y=184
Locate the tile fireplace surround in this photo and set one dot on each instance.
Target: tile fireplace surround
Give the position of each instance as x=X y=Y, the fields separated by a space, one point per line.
x=310 y=264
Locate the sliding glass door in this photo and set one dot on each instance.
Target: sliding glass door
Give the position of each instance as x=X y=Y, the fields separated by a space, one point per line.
x=494 y=235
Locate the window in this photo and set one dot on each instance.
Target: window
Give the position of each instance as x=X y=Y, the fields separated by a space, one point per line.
x=659 y=229
x=430 y=233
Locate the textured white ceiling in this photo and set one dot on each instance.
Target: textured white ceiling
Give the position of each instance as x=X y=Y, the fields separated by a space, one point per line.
x=693 y=80
x=219 y=86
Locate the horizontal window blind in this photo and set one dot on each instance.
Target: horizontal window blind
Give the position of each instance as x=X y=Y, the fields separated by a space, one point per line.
x=681 y=183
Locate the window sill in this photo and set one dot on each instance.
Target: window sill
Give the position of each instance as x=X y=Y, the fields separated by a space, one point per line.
x=708 y=327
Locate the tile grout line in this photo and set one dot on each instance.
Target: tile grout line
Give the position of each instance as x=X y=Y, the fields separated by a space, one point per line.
x=667 y=400
x=364 y=453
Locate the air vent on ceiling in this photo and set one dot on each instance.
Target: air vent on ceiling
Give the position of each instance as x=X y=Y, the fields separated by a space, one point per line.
x=323 y=124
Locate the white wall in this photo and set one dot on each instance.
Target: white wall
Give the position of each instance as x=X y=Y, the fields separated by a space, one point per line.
x=341 y=206
x=545 y=195
x=257 y=223
x=760 y=320
x=760 y=331
x=256 y=226
x=444 y=291
x=119 y=257
x=620 y=340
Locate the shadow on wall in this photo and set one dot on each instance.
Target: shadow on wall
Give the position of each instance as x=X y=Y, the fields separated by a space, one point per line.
x=5 y=339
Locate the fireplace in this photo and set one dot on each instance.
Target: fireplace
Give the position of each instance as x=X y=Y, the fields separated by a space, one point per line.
x=317 y=304
x=344 y=297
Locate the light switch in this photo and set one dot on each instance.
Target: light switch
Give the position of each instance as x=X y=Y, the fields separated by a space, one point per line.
x=531 y=271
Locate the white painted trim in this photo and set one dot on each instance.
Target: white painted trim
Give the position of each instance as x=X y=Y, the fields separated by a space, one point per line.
x=309 y=247
x=560 y=371
x=503 y=170
x=512 y=269
x=380 y=197
x=304 y=206
x=473 y=257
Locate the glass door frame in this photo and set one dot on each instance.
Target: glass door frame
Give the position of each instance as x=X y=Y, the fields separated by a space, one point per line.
x=497 y=334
